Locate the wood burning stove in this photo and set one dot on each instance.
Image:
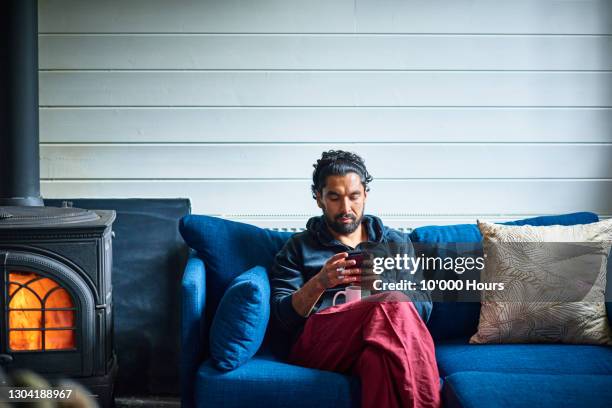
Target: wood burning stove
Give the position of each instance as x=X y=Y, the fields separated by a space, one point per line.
x=55 y=276
x=55 y=263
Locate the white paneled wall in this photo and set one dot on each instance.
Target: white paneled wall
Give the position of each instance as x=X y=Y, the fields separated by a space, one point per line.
x=461 y=108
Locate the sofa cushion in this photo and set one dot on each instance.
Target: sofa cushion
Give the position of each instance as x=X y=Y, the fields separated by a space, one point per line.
x=470 y=232
x=496 y=390
x=457 y=355
x=554 y=284
x=453 y=318
x=239 y=325
x=265 y=382
x=228 y=248
x=446 y=233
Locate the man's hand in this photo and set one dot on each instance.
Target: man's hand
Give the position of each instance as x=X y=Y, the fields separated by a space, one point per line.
x=368 y=276
x=337 y=271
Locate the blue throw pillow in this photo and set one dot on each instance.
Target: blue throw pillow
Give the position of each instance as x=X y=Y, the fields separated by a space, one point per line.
x=240 y=323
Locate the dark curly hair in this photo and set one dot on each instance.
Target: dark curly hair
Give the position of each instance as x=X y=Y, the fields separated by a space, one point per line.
x=338 y=163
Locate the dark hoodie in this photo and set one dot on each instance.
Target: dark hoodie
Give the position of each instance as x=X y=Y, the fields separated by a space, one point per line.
x=305 y=253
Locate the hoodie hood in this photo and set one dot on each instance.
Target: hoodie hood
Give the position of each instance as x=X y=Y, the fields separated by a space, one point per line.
x=317 y=226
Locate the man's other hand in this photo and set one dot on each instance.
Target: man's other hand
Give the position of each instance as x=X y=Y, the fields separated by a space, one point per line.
x=368 y=276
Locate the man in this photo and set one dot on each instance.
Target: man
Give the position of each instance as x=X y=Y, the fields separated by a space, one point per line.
x=382 y=338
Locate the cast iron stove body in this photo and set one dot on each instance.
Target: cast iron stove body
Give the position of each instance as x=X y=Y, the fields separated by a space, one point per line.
x=55 y=280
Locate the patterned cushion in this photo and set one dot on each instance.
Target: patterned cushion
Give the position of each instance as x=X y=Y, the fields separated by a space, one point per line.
x=452 y=318
x=550 y=284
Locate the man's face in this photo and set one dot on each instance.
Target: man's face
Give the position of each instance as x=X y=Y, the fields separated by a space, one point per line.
x=343 y=201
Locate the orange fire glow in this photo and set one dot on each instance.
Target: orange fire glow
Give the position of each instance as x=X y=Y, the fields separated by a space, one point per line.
x=27 y=292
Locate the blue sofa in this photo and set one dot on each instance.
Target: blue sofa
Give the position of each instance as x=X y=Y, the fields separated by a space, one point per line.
x=517 y=375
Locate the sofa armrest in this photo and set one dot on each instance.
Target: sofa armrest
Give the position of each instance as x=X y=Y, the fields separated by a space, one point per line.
x=193 y=338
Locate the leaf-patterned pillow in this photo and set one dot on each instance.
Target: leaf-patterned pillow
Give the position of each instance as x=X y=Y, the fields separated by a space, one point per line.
x=554 y=281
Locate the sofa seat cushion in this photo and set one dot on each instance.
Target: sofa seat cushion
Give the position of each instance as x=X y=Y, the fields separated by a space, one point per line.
x=491 y=390
x=457 y=355
x=266 y=382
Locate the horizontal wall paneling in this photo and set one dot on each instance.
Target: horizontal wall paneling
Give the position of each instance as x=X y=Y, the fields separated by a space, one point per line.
x=327 y=16
x=316 y=125
x=461 y=108
x=272 y=161
x=272 y=52
x=282 y=88
x=433 y=197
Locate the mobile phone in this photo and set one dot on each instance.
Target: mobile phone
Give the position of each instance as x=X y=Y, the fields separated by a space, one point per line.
x=357 y=256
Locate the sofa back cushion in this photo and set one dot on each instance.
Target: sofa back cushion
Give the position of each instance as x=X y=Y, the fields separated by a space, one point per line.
x=453 y=318
x=228 y=248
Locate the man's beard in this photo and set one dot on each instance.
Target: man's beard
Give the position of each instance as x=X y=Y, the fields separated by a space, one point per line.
x=340 y=227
